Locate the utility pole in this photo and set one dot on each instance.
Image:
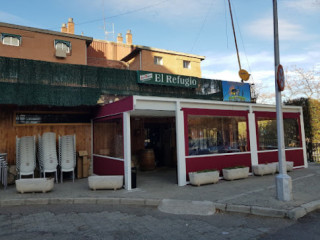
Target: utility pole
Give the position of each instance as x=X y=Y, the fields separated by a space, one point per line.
x=283 y=180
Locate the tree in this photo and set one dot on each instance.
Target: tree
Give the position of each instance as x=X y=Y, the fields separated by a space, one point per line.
x=301 y=83
x=262 y=96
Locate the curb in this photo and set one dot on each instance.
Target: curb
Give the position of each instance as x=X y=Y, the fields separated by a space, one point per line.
x=293 y=214
x=253 y=210
x=85 y=200
x=304 y=209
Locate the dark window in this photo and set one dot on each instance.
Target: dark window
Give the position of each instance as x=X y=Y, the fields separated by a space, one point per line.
x=186 y=64
x=54 y=118
x=158 y=60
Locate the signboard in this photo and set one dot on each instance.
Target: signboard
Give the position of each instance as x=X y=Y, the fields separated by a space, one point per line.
x=236 y=92
x=244 y=75
x=167 y=79
x=280 y=78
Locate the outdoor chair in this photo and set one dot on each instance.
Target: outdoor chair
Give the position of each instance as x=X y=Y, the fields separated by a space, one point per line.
x=47 y=154
x=67 y=155
x=26 y=155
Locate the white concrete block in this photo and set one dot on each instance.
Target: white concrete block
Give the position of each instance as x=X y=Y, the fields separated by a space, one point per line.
x=34 y=185
x=235 y=173
x=200 y=178
x=105 y=182
x=264 y=169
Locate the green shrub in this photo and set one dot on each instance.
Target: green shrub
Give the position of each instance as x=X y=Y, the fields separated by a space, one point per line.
x=207 y=170
x=234 y=167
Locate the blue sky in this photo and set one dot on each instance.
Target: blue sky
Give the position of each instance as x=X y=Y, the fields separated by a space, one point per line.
x=199 y=27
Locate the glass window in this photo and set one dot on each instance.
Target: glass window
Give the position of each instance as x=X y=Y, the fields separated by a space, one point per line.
x=11 y=39
x=186 y=64
x=216 y=134
x=267 y=133
x=158 y=60
x=108 y=138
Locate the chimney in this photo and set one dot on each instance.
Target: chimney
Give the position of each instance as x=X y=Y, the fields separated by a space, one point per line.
x=119 y=38
x=64 y=28
x=129 y=37
x=70 y=28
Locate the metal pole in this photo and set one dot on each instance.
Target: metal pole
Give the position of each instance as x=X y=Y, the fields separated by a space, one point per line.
x=234 y=34
x=283 y=180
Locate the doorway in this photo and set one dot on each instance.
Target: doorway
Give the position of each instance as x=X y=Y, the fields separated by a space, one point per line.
x=156 y=137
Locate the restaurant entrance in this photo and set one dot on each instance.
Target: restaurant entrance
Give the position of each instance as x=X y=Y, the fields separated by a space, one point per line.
x=153 y=143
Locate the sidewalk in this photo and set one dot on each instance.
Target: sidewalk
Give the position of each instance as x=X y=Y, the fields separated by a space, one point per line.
x=254 y=195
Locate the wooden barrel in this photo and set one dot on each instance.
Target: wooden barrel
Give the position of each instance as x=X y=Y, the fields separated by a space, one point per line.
x=147 y=160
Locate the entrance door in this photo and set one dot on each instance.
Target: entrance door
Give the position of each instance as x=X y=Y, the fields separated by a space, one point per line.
x=160 y=136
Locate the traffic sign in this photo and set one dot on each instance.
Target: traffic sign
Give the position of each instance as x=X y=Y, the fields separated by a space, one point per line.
x=280 y=78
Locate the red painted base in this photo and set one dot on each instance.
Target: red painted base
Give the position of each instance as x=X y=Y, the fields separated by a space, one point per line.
x=107 y=166
x=295 y=156
x=217 y=162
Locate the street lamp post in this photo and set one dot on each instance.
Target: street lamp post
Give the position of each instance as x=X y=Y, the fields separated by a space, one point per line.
x=283 y=180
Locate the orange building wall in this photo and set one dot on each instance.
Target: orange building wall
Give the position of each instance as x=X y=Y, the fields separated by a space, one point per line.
x=101 y=52
x=40 y=46
x=171 y=63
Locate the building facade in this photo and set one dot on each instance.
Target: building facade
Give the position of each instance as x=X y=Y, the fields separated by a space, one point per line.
x=125 y=55
x=43 y=45
x=158 y=60
x=35 y=64
x=160 y=105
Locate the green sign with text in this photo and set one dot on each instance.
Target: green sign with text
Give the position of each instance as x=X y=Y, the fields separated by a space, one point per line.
x=167 y=79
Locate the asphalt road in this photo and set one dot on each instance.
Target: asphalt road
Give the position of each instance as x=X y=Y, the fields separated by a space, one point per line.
x=307 y=228
x=126 y=222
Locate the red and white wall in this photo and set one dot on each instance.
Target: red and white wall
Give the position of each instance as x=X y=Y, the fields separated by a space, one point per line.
x=182 y=109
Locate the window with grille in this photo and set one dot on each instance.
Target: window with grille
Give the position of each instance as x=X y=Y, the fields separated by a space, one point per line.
x=11 y=39
x=62 y=45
